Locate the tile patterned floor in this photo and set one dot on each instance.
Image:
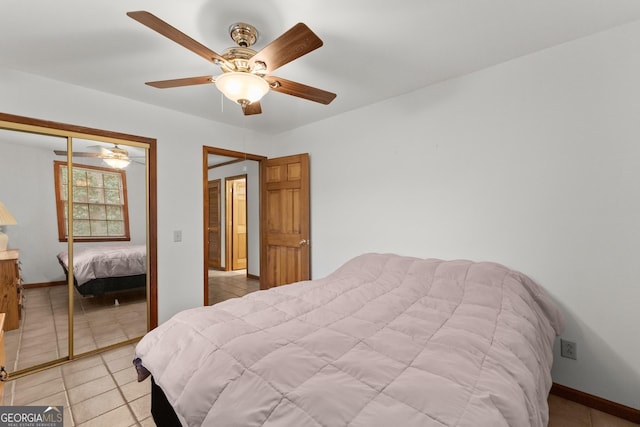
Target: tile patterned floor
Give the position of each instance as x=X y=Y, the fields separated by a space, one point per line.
x=102 y=390
x=565 y=413
x=98 y=322
x=230 y=284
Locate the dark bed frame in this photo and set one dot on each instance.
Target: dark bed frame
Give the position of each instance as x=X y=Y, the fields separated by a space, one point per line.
x=105 y=285
x=161 y=410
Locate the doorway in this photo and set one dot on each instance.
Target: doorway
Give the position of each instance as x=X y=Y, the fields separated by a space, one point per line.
x=240 y=254
x=236 y=223
x=279 y=244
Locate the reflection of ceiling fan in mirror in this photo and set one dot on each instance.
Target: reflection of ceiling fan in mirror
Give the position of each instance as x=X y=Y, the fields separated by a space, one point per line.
x=115 y=157
x=246 y=74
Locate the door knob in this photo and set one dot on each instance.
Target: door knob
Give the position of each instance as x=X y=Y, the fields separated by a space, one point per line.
x=304 y=242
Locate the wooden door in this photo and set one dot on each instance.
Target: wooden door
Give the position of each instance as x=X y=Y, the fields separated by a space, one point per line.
x=213 y=226
x=236 y=214
x=285 y=221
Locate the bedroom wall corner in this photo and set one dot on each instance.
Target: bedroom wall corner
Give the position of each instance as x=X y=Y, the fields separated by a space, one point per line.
x=531 y=163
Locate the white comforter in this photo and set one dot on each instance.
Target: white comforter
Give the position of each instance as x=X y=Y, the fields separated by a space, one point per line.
x=384 y=341
x=106 y=261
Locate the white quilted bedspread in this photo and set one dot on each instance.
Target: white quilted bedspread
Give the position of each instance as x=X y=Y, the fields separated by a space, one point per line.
x=106 y=261
x=383 y=341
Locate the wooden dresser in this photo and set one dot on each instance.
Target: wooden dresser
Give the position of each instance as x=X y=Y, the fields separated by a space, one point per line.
x=3 y=357
x=10 y=288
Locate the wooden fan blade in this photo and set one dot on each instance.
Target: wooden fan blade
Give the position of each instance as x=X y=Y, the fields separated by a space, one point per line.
x=102 y=151
x=77 y=154
x=159 y=26
x=253 y=108
x=281 y=85
x=188 y=81
x=298 y=41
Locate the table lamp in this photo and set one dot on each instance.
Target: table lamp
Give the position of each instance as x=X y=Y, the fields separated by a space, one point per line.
x=5 y=219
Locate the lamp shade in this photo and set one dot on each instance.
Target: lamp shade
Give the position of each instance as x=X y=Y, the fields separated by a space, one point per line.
x=5 y=216
x=242 y=87
x=5 y=219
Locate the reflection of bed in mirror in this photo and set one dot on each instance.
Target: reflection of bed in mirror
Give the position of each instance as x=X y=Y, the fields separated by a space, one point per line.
x=106 y=269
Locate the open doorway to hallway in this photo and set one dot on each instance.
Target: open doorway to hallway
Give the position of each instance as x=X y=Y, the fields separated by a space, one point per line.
x=279 y=253
x=232 y=222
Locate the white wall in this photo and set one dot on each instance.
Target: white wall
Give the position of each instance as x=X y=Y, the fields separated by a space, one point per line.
x=180 y=141
x=252 y=170
x=532 y=163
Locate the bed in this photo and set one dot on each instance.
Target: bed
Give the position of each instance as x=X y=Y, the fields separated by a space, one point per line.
x=385 y=340
x=105 y=269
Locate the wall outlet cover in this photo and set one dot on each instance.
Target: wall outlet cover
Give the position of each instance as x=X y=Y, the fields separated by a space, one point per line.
x=568 y=349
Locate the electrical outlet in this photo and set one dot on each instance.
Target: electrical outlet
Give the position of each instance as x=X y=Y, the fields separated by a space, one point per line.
x=568 y=349
x=177 y=236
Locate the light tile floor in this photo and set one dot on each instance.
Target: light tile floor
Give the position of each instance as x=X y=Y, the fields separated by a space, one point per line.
x=102 y=390
x=565 y=413
x=230 y=284
x=98 y=322
x=99 y=390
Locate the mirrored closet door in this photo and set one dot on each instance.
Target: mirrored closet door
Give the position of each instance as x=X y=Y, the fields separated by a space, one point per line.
x=36 y=323
x=83 y=201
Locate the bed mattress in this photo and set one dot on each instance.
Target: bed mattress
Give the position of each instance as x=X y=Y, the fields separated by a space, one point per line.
x=105 y=262
x=385 y=340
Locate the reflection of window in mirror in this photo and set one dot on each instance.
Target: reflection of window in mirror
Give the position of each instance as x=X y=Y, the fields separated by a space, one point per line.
x=100 y=210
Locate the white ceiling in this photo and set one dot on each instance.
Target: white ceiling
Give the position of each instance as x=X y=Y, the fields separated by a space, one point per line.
x=373 y=49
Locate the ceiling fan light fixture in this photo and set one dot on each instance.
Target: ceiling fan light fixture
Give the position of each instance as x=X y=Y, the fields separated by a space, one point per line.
x=117 y=158
x=117 y=163
x=244 y=70
x=239 y=86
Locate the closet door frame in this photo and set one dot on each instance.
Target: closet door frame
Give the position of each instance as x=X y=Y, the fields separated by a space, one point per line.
x=44 y=127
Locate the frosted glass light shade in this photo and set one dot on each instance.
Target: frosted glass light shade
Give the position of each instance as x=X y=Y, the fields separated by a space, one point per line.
x=239 y=86
x=117 y=163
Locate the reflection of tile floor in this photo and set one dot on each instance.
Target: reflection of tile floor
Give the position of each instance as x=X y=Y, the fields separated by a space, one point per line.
x=43 y=333
x=230 y=284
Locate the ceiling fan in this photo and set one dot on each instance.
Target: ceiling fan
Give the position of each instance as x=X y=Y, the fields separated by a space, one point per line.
x=116 y=157
x=246 y=74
